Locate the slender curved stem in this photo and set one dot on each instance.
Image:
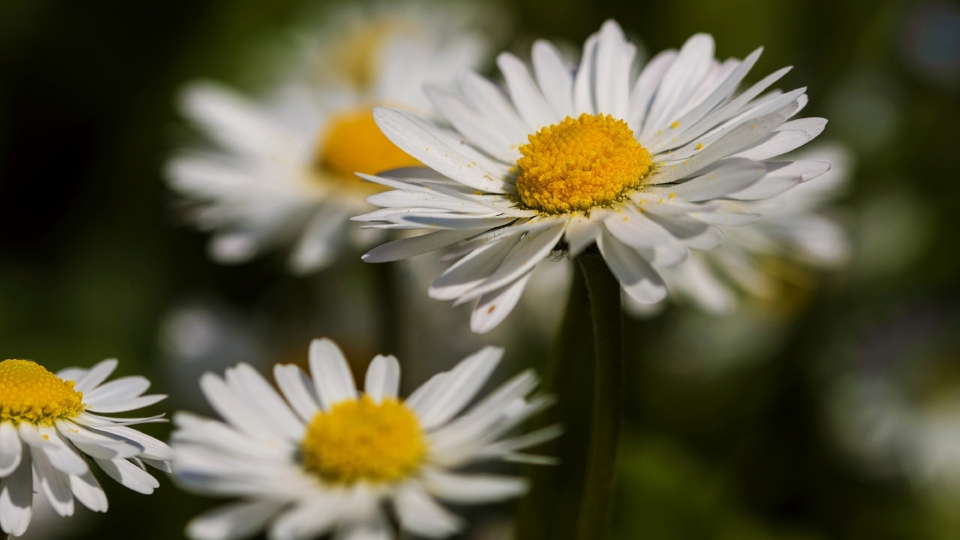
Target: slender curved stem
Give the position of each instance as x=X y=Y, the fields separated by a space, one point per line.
x=549 y=511
x=596 y=504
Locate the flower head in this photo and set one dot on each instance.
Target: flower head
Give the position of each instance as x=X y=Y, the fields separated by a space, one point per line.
x=49 y=422
x=646 y=169
x=281 y=169
x=325 y=457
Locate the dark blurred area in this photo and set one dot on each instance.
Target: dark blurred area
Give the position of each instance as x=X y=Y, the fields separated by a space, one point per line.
x=833 y=414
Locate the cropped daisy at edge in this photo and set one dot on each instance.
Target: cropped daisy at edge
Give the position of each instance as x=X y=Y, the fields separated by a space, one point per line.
x=278 y=171
x=323 y=457
x=50 y=422
x=646 y=168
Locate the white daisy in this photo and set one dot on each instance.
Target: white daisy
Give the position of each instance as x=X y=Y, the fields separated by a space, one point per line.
x=566 y=159
x=325 y=457
x=280 y=170
x=49 y=422
x=791 y=227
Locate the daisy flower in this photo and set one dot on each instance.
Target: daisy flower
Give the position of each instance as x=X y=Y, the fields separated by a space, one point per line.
x=280 y=171
x=50 y=422
x=326 y=458
x=644 y=168
x=791 y=227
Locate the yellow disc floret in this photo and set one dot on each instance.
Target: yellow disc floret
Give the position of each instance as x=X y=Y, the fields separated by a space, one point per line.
x=353 y=143
x=30 y=393
x=364 y=441
x=579 y=164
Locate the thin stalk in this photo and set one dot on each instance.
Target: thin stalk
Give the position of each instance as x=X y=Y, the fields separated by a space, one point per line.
x=608 y=397
x=549 y=511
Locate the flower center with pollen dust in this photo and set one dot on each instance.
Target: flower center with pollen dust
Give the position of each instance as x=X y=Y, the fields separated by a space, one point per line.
x=580 y=164
x=361 y=440
x=353 y=143
x=31 y=393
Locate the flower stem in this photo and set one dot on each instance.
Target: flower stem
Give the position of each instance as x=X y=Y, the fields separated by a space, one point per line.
x=549 y=511
x=604 y=291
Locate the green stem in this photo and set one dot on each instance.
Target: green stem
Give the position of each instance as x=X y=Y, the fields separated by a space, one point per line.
x=597 y=502
x=549 y=511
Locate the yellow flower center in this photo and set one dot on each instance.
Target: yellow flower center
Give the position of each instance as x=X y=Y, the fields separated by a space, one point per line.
x=579 y=164
x=353 y=143
x=360 y=440
x=30 y=393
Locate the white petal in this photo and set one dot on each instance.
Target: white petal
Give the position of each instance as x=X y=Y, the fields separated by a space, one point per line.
x=731 y=175
x=635 y=275
x=88 y=491
x=299 y=390
x=72 y=373
x=459 y=387
x=488 y=99
x=235 y=409
x=11 y=449
x=531 y=249
x=697 y=282
x=679 y=83
x=650 y=239
x=421 y=515
x=473 y=488
x=614 y=60
x=16 y=498
x=47 y=440
x=721 y=92
x=96 y=375
x=116 y=391
x=786 y=138
x=646 y=87
x=493 y=307
x=246 y=381
x=95 y=444
x=383 y=378
x=321 y=239
x=473 y=125
x=233 y=521
x=584 y=100
x=692 y=233
x=581 y=232
x=420 y=139
x=128 y=474
x=741 y=137
x=365 y=531
x=131 y=405
x=404 y=248
x=553 y=78
x=331 y=373
x=472 y=269
x=152 y=448
x=55 y=484
x=309 y=519
x=527 y=99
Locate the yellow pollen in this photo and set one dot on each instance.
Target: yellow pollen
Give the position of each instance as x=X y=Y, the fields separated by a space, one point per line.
x=31 y=393
x=360 y=440
x=580 y=164
x=353 y=143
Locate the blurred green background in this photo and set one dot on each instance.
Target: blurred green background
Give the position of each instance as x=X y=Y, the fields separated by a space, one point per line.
x=833 y=413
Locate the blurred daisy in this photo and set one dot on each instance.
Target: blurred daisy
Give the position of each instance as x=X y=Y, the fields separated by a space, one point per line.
x=644 y=169
x=325 y=457
x=280 y=171
x=49 y=422
x=791 y=228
